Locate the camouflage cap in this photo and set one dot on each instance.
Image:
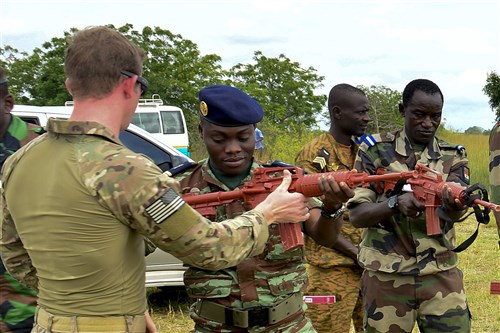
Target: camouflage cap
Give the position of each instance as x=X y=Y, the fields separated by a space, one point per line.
x=228 y=106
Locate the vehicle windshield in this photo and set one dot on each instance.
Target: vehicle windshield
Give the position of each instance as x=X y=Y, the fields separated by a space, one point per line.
x=172 y=122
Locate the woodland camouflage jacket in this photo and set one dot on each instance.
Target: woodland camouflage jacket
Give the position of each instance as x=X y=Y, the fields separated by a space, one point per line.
x=401 y=244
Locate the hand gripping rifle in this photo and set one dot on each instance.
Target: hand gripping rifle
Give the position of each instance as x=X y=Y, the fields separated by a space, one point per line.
x=266 y=180
x=428 y=187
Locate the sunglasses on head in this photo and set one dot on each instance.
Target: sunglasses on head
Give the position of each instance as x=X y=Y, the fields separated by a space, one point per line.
x=142 y=81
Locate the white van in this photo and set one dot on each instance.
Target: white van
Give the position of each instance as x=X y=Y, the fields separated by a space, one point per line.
x=165 y=122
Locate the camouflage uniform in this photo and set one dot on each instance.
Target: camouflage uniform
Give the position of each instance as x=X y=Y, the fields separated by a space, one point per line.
x=408 y=275
x=494 y=168
x=260 y=281
x=331 y=271
x=495 y=162
x=83 y=215
x=17 y=303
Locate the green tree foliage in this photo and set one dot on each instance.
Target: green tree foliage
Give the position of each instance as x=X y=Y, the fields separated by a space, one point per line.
x=384 y=111
x=176 y=71
x=38 y=78
x=285 y=90
x=492 y=90
x=474 y=130
x=175 y=68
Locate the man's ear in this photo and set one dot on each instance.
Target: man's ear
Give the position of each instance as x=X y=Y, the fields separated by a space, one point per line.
x=129 y=86
x=200 y=129
x=336 y=112
x=401 y=109
x=68 y=86
x=8 y=103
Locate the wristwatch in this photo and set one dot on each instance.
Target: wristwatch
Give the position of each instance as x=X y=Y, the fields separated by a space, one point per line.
x=392 y=202
x=335 y=215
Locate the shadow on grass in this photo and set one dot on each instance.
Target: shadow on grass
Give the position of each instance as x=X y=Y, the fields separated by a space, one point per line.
x=169 y=298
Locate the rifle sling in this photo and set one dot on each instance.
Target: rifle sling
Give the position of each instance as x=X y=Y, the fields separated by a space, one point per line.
x=448 y=225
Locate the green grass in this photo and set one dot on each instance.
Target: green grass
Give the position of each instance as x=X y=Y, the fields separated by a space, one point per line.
x=480 y=264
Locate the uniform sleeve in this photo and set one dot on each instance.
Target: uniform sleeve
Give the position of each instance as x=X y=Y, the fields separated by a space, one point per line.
x=459 y=171
x=494 y=165
x=147 y=200
x=14 y=256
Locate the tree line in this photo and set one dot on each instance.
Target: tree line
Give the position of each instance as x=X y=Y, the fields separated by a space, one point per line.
x=176 y=70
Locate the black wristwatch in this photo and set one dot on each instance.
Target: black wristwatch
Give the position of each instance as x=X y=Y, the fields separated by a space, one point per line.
x=392 y=202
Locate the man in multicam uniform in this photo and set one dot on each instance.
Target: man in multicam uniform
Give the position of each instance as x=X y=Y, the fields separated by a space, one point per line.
x=77 y=204
x=263 y=293
x=336 y=270
x=409 y=276
x=17 y=303
x=495 y=169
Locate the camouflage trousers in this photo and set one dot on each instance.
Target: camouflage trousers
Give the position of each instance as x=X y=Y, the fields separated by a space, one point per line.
x=343 y=282
x=17 y=305
x=296 y=323
x=436 y=302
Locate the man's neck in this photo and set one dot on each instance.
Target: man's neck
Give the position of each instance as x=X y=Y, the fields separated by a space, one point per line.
x=340 y=136
x=102 y=111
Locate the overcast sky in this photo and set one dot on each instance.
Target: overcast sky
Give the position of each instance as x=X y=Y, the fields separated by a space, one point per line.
x=453 y=43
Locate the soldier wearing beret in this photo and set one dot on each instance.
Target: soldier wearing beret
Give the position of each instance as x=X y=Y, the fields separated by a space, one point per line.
x=262 y=293
x=409 y=276
x=77 y=203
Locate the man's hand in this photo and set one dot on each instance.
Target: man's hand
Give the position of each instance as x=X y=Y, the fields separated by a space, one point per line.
x=334 y=194
x=409 y=205
x=450 y=203
x=282 y=206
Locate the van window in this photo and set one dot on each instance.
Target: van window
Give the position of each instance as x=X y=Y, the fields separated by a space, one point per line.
x=32 y=120
x=141 y=146
x=147 y=121
x=172 y=122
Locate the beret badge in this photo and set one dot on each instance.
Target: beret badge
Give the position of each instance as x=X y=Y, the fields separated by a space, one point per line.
x=203 y=108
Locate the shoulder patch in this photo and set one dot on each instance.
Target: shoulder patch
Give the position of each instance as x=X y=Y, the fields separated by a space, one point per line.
x=321 y=160
x=366 y=138
x=165 y=206
x=180 y=168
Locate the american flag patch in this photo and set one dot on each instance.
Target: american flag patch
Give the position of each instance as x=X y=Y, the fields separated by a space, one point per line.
x=164 y=207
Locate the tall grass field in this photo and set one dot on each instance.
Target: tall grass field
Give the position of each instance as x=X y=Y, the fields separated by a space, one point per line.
x=480 y=263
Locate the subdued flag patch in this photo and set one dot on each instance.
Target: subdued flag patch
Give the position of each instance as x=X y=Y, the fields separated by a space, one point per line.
x=164 y=207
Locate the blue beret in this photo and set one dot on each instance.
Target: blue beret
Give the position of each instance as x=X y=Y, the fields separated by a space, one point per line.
x=228 y=106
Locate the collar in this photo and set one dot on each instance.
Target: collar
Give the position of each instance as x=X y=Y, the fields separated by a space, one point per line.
x=62 y=126
x=210 y=178
x=404 y=148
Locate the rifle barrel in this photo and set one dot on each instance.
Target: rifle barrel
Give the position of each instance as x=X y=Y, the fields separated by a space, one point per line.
x=490 y=205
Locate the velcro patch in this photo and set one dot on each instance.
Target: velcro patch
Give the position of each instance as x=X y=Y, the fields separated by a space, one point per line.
x=368 y=139
x=321 y=160
x=164 y=207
